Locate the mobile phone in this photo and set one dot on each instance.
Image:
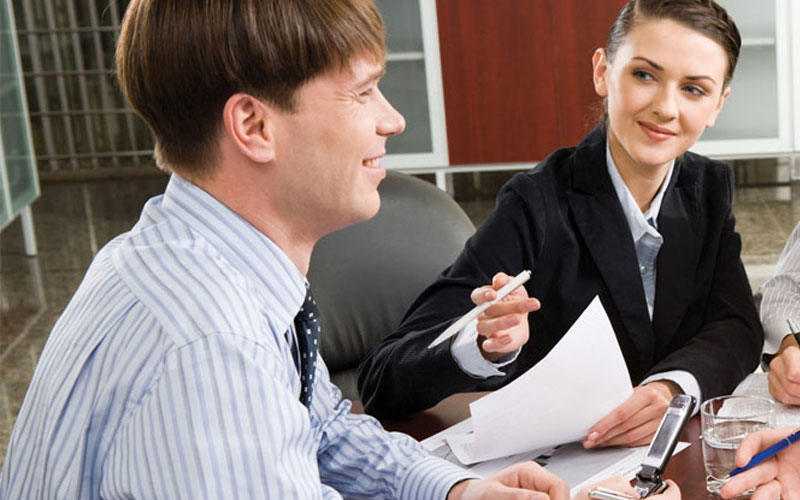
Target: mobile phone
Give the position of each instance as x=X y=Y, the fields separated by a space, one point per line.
x=648 y=479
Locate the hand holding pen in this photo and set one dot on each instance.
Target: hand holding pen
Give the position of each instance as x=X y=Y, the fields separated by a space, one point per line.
x=502 y=315
x=784 y=369
x=503 y=327
x=774 y=472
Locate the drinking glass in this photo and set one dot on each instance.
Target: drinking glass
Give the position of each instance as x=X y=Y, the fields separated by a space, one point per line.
x=725 y=422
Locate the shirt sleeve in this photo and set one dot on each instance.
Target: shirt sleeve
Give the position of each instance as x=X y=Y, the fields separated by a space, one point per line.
x=359 y=458
x=224 y=420
x=469 y=358
x=781 y=295
x=685 y=380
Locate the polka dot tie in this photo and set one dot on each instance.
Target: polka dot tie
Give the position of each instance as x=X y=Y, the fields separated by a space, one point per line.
x=306 y=324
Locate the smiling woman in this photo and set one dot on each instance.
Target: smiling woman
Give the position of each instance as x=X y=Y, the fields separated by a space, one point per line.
x=663 y=86
x=630 y=215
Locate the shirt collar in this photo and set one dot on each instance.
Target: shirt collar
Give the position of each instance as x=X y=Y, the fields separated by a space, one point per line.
x=274 y=276
x=637 y=221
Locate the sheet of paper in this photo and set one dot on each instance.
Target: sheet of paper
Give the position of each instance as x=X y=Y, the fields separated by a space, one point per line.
x=576 y=466
x=756 y=384
x=557 y=401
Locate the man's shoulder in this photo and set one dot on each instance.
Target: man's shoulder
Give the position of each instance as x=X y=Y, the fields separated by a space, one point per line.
x=187 y=284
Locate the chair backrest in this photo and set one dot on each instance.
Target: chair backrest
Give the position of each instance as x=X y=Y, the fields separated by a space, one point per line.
x=365 y=277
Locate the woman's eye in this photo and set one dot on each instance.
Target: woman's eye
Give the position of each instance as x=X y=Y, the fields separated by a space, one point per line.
x=694 y=90
x=642 y=75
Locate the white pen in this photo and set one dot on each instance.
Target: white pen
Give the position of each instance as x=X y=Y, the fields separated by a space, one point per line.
x=509 y=287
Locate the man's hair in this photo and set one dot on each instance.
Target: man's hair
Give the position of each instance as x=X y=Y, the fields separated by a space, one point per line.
x=178 y=62
x=704 y=16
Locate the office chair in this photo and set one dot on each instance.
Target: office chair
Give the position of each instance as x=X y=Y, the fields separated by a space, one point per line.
x=365 y=277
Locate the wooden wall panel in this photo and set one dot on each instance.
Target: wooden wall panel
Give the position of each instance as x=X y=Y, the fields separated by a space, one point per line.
x=517 y=75
x=499 y=94
x=583 y=27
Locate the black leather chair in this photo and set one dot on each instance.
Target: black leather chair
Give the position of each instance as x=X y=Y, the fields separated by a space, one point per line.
x=365 y=277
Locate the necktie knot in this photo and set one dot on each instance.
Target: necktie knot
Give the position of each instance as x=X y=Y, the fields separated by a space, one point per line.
x=308 y=311
x=306 y=325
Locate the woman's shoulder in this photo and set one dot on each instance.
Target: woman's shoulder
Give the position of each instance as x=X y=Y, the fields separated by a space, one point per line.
x=705 y=168
x=550 y=172
x=711 y=179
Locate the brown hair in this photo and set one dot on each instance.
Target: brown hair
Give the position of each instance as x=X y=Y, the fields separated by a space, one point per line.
x=178 y=62
x=704 y=16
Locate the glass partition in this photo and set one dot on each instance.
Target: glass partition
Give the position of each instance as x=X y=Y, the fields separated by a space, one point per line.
x=18 y=180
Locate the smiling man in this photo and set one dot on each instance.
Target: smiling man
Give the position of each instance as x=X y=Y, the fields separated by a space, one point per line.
x=185 y=366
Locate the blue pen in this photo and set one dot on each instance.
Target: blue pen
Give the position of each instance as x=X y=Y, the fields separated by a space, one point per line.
x=769 y=452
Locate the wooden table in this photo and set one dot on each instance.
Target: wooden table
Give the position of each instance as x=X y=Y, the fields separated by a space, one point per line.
x=685 y=468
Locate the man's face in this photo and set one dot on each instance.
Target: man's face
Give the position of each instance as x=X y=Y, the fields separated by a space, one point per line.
x=329 y=147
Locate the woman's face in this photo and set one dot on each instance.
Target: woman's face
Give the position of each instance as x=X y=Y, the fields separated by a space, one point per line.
x=663 y=88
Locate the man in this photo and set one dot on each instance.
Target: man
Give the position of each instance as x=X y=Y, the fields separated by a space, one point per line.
x=185 y=365
x=781 y=302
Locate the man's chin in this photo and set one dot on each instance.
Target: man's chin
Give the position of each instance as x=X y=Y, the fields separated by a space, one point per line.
x=376 y=173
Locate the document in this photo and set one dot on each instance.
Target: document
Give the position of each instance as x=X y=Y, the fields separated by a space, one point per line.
x=557 y=401
x=757 y=384
x=573 y=464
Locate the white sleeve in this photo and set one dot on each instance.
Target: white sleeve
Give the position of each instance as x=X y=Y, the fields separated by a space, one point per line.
x=685 y=380
x=465 y=351
x=781 y=295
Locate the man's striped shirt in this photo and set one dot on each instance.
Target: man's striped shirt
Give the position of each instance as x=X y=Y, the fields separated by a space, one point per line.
x=171 y=374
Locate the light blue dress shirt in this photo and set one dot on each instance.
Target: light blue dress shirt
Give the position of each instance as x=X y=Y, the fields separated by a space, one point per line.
x=170 y=374
x=644 y=227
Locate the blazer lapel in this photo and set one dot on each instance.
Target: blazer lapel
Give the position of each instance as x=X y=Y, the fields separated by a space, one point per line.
x=678 y=257
x=600 y=220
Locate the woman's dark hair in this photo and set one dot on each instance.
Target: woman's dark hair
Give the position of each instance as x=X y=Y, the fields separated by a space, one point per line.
x=704 y=16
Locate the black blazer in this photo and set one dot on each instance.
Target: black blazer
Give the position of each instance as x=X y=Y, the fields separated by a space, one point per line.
x=563 y=220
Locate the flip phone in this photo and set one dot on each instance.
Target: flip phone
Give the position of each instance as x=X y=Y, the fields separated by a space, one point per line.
x=648 y=479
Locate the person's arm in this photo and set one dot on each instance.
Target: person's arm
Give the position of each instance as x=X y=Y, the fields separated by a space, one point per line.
x=394 y=378
x=781 y=302
x=221 y=421
x=778 y=477
x=359 y=458
x=780 y=295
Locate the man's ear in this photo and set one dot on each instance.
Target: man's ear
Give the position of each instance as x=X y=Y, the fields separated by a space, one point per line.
x=600 y=69
x=248 y=125
x=713 y=118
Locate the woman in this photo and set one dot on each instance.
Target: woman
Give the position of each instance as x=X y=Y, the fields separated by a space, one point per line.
x=628 y=215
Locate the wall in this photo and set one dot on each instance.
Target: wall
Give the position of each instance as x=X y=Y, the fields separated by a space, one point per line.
x=517 y=75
